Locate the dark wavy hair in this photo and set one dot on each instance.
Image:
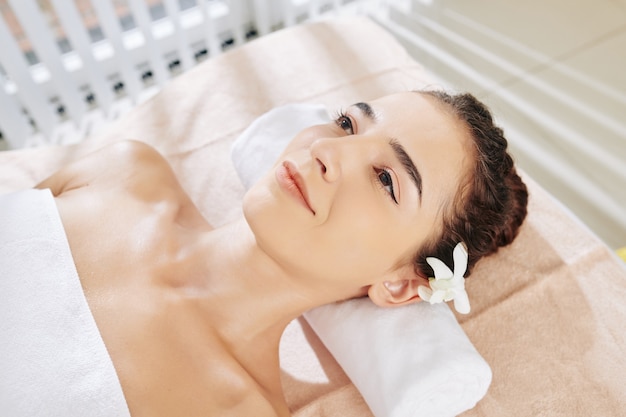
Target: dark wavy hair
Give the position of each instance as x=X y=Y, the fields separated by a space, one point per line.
x=490 y=205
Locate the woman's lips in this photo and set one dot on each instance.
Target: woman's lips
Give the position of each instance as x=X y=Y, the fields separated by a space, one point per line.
x=291 y=181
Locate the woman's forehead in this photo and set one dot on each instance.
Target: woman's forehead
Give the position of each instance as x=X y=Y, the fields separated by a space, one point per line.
x=407 y=103
x=437 y=141
x=417 y=117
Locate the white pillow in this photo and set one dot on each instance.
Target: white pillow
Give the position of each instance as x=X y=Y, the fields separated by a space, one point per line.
x=406 y=361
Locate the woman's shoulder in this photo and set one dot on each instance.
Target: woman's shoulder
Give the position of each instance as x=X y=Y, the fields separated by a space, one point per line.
x=133 y=151
x=137 y=161
x=128 y=158
x=119 y=163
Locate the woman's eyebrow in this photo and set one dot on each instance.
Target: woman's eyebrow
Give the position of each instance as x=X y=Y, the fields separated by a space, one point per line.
x=409 y=166
x=367 y=110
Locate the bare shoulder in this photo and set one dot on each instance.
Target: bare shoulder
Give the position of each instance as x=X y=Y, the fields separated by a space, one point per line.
x=120 y=161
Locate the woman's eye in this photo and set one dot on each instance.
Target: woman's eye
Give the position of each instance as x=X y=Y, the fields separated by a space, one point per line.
x=344 y=123
x=384 y=177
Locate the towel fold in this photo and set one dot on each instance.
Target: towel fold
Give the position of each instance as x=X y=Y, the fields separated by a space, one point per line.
x=53 y=361
x=408 y=361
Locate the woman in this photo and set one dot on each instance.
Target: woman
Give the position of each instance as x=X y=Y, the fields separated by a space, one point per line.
x=192 y=316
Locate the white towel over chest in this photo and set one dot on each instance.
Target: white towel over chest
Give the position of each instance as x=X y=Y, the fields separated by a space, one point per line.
x=53 y=361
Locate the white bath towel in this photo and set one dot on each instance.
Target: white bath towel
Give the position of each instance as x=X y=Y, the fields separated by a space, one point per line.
x=413 y=361
x=53 y=361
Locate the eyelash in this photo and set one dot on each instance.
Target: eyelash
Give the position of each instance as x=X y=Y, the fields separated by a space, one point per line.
x=384 y=172
x=341 y=118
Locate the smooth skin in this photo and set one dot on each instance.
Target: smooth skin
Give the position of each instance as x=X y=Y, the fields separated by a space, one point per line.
x=191 y=315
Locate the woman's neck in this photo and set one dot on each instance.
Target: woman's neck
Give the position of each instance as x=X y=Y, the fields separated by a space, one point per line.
x=247 y=297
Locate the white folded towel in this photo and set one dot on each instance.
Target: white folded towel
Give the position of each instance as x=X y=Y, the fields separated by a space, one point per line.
x=410 y=361
x=256 y=149
x=406 y=361
x=53 y=361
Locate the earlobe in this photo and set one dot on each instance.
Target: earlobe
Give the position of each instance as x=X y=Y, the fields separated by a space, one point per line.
x=396 y=288
x=397 y=292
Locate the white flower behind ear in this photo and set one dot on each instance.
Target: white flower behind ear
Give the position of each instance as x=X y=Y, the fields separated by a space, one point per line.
x=448 y=285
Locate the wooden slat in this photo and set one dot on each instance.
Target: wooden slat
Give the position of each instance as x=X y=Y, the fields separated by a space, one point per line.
x=110 y=25
x=79 y=38
x=184 y=49
x=289 y=14
x=42 y=39
x=261 y=17
x=314 y=9
x=29 y=94
x=14 y=126
x=210 y=34
x=236 y=21
x=141 y=14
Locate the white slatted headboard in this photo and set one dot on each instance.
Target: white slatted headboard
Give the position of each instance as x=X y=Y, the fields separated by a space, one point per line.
x=117 y=53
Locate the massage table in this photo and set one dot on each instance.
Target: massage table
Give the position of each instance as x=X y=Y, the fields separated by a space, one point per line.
x=548 y=312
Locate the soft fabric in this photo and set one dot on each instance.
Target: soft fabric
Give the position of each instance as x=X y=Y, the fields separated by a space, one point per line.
x=256 y=149
x=412 y=361
x=418 y=362
x=53 y=361
x=548 y=312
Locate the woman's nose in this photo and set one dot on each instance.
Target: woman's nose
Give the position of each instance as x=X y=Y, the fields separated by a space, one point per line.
x=327 y=154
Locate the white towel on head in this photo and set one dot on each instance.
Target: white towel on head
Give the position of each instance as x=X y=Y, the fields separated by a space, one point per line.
x=256 y=149
x=53 y=361
x=413 y=361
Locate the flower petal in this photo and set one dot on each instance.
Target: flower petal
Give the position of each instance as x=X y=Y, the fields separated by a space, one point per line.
x=449 y=296
x=460 y=259
x=437 y=297
x=441 y=270
x=424 y=292
x=461 y=302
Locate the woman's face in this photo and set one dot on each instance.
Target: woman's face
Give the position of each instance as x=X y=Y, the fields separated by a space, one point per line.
x=350 y=202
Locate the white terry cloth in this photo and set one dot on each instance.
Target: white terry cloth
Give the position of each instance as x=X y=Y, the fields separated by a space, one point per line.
x=405 y=361
x=408 y=361
x=53 y=361
x=256 y=149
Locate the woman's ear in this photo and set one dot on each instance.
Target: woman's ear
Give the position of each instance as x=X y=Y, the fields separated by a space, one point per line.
x=399 y=288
